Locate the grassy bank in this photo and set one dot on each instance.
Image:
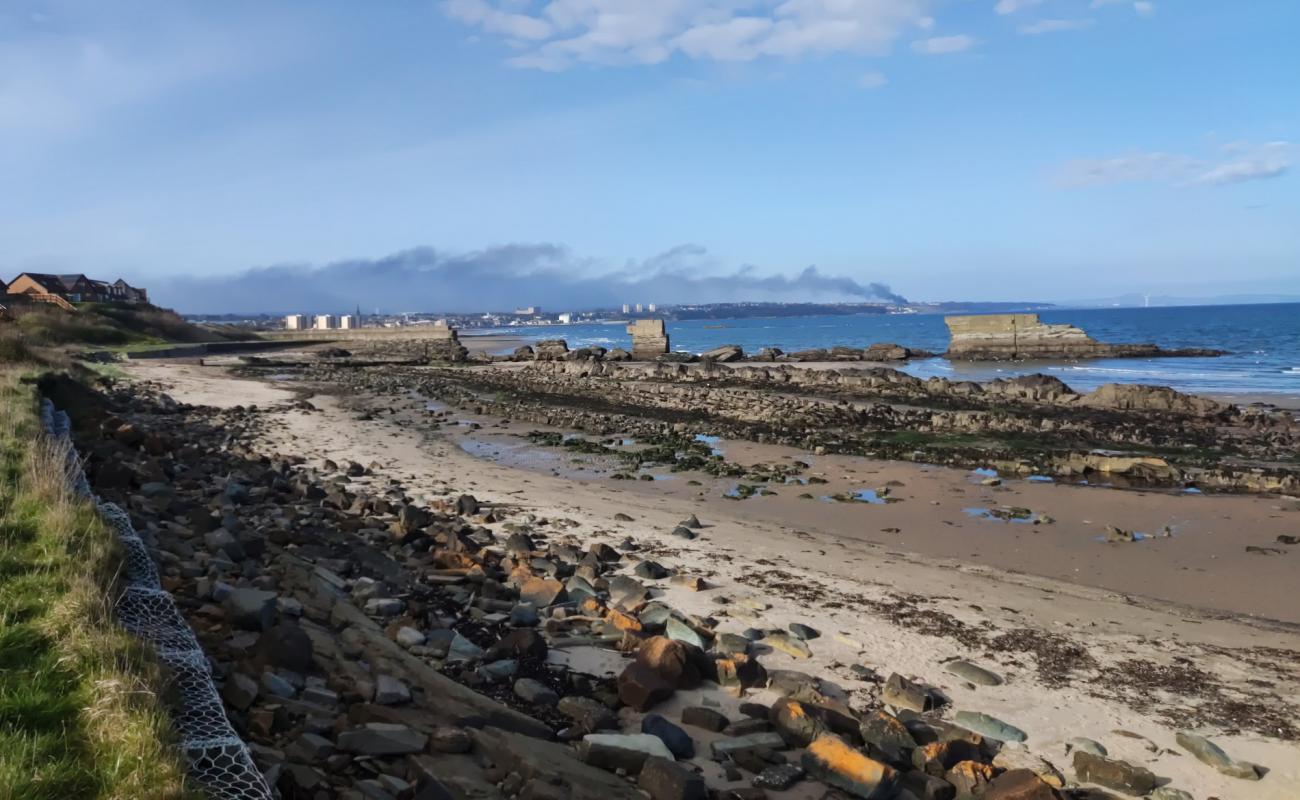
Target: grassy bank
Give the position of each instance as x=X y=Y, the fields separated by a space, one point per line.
x=79 y=714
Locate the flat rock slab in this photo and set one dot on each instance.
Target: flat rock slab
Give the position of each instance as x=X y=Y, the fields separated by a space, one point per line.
x=992 y=727
x=832 y=760
x=382 y=739
x=1113 y=774
x=973 y=673
x=626 y=751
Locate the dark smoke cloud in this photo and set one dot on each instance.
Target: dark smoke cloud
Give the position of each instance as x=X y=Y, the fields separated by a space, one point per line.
x=500 y=278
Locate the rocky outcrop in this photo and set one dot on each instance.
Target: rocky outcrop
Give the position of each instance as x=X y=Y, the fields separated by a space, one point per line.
x=444 y=344
x=551 y=350
x=1013 y=337
x=1125 y=436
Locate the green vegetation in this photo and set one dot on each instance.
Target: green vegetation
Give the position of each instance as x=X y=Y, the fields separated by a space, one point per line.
x=29 y=326
x=80 y=716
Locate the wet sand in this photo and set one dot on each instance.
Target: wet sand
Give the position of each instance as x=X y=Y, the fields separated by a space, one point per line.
x=1081 y=660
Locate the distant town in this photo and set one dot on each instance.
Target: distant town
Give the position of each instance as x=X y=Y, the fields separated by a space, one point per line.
x=627 y=312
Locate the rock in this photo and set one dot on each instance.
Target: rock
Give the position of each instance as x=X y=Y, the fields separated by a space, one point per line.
x=641 y=687
x=382 y=739
x=650 y=570
x=239 y=691
x=664 y=779
x=518 y=643
x=779 y=777
x=1015 y=757
x=277 y=686
x=788 y=644
x=899 y=692
x=625 y=751
x=683 y=532
x=885 y=733
x=589 y=714
x=604 y=552
x=970 y=778
x=467 y=505
x=692 y=522
x=830 y=759
x=739 y=672
x=1207 y=752
x=706 y=718
x=936 y=758
x=1113 y=774
x=795 y=723
x=1169 y=793
x=721 y=748
x=250 y=609
x=524 y=615
x=621 y=517
x=542 y=592
x=535 y=692
x=804 y=632
x=309 y=748
x=389 y=691
x=973 y=673
x=384 y=606
x=679 y=664
x=988 y=726
x=917 y=785
x=1019 y=784
x=462 y=649
x=409 y=637
x=449 y=739
x=1086 y=745
x=724 y=354
x=678 y=741
x=675 y=628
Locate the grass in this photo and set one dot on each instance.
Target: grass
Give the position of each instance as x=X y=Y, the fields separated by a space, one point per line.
x=80 y=715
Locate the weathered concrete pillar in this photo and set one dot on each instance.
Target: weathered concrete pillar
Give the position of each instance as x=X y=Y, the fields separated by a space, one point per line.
x=444 y=344
x=649 y=339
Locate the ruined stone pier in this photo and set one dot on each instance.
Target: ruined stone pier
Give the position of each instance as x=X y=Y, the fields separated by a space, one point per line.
x=649 y=339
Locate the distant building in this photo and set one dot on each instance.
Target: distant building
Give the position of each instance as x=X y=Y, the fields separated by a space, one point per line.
x=638 y=308
x=652 y=308
x=348 y=322
x=295 y=322
x=324 y=322
x=566 y=318
x=528 y=311
x=627 y=309
x=76 y=288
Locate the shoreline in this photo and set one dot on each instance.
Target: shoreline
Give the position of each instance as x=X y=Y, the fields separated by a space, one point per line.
x=878 y=603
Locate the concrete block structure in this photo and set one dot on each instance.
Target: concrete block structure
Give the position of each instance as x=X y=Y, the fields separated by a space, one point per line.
x=348 y=322
x=649 y=339
x=295 y=322
x=324 y=322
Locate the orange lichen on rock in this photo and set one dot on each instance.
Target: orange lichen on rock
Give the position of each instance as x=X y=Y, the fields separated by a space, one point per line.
x=834 y=761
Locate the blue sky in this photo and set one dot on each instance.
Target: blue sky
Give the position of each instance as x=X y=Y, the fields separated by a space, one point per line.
x=973 y=149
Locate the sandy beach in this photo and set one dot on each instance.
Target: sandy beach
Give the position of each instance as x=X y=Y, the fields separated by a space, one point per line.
x=1123 y=643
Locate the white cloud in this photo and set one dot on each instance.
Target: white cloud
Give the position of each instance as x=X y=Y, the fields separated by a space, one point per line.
x=1248 y=164
x=1012 y=6
x=492 y=20
x=1055 y=26
x=560 y=33
x=872 y=80
x=942 y=45
x=1144 y=8
x=1243 y=162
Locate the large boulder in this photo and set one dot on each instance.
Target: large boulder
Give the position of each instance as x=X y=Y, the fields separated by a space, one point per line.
x=832 y=760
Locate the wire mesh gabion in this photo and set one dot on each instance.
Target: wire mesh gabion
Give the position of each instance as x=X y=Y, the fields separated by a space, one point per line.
x=218 y=759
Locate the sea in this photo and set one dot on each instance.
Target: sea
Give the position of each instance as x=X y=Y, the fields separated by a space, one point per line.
x=1263 y=344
